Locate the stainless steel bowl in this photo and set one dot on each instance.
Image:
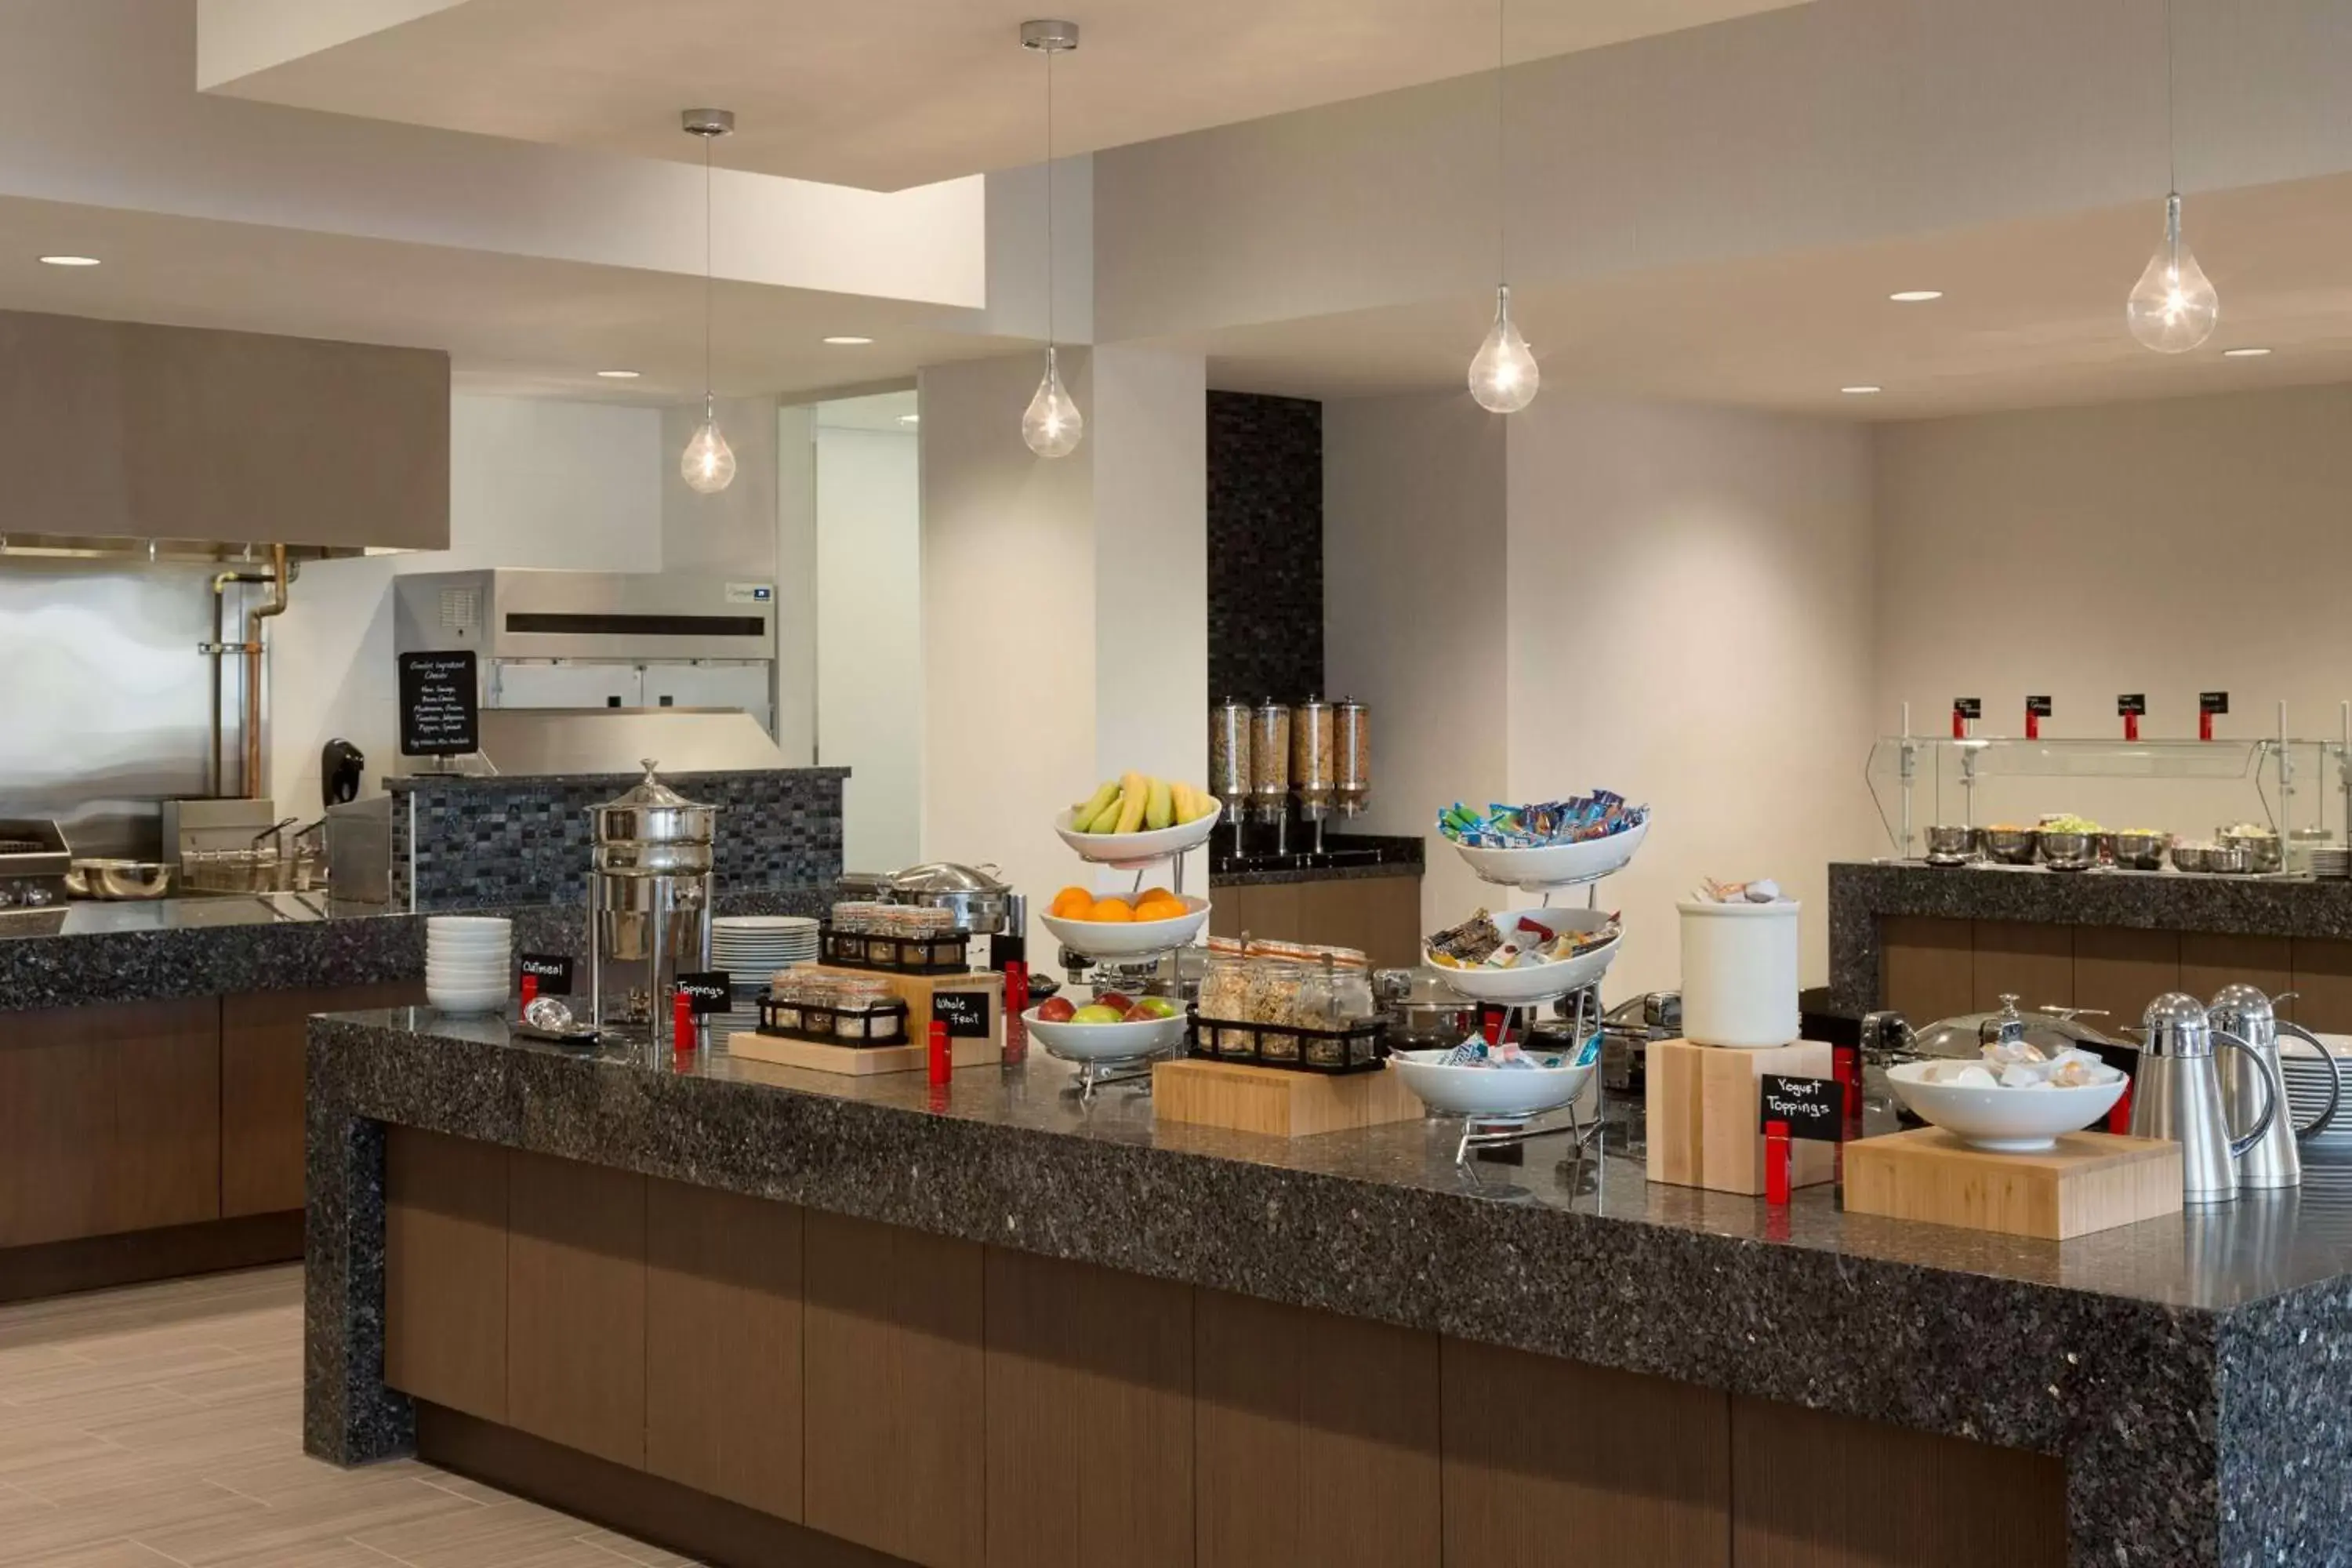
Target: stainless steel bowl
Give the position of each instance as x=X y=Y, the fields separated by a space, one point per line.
x=2138 y=851
x=2262 y=850
x=2189 y=856
x=1951 y=842
x=2229 y=857
x=2010 y=846
x=2068 y=851
x=118 y=879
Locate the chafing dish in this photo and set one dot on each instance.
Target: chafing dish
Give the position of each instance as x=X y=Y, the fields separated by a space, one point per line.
x=118 y=879
x=2262 y=850
x=1951 y=846
x=2010 y=846
x=974 y=894
x=2138 y=851
x=2064 y=849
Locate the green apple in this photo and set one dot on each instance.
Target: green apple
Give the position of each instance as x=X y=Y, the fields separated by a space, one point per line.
x=1151 y=1007
x=1096 y=1013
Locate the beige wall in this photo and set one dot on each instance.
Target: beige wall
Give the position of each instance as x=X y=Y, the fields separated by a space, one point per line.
x=2171 y=548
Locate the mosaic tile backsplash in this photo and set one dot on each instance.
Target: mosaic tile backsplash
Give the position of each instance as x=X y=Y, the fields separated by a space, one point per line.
x=527 y=840
x=1266 y=547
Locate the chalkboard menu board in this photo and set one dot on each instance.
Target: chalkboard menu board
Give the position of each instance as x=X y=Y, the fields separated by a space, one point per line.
x=965 y=1012
x=1812 y=1107
x=440 y=704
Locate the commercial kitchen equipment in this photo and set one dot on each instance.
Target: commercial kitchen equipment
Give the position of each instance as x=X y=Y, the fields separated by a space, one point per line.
x=34 y=862
x=1351 y=751
x=599 y=639
x=649 y=892
x=1229 y=756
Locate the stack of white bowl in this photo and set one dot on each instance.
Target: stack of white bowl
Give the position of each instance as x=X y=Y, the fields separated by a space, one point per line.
x=751 y=949
x=468 y=962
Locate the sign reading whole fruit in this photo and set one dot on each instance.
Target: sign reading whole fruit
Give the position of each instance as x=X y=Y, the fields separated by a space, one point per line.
x=1110 y=1007
x=1137 y=802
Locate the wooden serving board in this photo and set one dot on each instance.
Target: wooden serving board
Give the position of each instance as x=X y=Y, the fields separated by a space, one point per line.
x=1276 y=1101
x=855 y=1061
x=1704 y=1126
x=2091 y=1181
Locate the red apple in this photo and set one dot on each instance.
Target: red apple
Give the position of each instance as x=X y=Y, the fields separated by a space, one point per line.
x=1115 y=1001
x=1056 y=1010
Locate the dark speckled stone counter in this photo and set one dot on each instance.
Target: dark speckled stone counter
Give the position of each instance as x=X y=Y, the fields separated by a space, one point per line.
x=1860 y=893
x=2192 y=1372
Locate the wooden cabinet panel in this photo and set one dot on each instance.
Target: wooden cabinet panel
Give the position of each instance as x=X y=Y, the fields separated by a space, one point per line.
x=262 y=1043
x=2120 y=971
x=1393 y=930
x=1272 y=912
x=1318 y=1438
x=1544 y=1458
x=1090 y=1441
x=2210 y=961
x=1812 y=1489
x=2033 y=962
x=2323 y=983
x=894 y=1363
x=109 y=1120
x=445 y=1272
x=576 y=1305
x=723 y=1354
x=1926 y=967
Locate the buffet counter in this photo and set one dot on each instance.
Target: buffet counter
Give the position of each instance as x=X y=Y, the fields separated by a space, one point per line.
x=873 y=1299
x=1936 y=942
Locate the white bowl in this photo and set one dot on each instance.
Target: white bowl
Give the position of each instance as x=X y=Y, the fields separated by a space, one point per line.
x=1115 y=939
x=1129 y=850
x=467 y=970
x=1533 y=982
x=1556 y=865
x=497 y=954
x=1106 y=1042
x=1495 y=1092
x=469 y=925
x=468 y=999
x=2004 y=1121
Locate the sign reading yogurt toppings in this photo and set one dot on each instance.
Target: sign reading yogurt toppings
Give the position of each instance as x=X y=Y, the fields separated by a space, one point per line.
x=1812 y=1107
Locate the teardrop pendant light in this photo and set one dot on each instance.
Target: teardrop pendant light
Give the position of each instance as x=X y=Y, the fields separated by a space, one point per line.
x=2173 y=306
x=1052 y=426
x=1503 y=374
x=707 y=464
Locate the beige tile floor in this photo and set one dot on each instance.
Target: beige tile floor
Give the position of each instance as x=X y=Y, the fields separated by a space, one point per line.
x=162 y=1424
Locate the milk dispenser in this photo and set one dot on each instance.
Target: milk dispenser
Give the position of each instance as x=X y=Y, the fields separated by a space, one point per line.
x=648 y=904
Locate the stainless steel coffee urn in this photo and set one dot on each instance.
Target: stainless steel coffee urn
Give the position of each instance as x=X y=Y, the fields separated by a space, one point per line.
x=648 y=904
x=2177 y=1095
x=2276 y=1158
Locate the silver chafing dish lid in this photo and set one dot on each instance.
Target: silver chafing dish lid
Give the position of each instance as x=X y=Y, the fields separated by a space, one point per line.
x=650 y=812
x=2051 y=1030
x=937 y=877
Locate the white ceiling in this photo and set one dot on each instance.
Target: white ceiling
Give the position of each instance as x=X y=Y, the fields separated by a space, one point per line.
x=512 y=324
x=2033 y=315
x=886 y=93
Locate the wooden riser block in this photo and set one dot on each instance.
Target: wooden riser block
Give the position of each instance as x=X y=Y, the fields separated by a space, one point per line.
x=855 y=1061
x=1703 y=1106
x=2091 y=1181
x=1277 y=1102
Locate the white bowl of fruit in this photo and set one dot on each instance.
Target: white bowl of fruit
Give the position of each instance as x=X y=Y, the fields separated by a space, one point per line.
x=1112 y=1027
x=1124 y=925
x=1136 y=819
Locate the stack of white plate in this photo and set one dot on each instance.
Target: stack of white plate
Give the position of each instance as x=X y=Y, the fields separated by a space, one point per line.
x=2331 y=860
x=468 y=962
x=2307 y=1087
x=751 y=949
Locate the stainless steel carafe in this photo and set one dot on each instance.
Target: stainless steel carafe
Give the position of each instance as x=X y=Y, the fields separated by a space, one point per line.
x=2274 y=1161
x=2177 y=1095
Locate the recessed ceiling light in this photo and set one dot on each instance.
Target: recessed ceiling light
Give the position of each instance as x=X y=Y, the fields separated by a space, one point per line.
x=69 y=261
x=1860 y=391
x=2243 y=353
x=1916 y=296
x=910 y=419
x=848 y=340
x=618 y=374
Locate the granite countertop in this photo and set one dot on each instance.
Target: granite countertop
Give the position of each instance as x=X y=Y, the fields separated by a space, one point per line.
x=1861 y=892
x=2171 y=1364
x=1367 y=855
x=90 y=954
x=400 y=783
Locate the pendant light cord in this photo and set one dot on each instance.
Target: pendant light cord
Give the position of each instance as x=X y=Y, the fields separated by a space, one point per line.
x=2172 y=135
x=1048 y=52
x=709 y=395
x=1502 y=157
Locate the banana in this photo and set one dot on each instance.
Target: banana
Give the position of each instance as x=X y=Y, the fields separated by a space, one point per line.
x=1104 y=820
x=1179 y=802
x=1136 y=797
x=1160 y=807
x=1086 y=810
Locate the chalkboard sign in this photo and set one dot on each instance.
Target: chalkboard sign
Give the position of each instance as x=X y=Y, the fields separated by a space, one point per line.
x=2038 y=705
x=1812 y=1107
x=440 y=704
x=551 y=970
x=2132 y=704
x=965 y=1012
x=1969 y=707
x=2212 y=702
x=707 y=991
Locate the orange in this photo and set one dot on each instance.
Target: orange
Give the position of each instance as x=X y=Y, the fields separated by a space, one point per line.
x=1071 y=904
x=1115 y=910
x=1159 y=910
x=1152 y=895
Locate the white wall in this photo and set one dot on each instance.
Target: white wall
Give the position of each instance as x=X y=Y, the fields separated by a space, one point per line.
x=1414 y=560
x=533 y=482
x=795 y=572
x=869 y=653
x=2165 y=547
x=1691 y=625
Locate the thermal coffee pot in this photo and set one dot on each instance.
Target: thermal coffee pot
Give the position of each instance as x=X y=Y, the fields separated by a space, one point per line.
x=2177 y=1095
x=2274 y=1161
